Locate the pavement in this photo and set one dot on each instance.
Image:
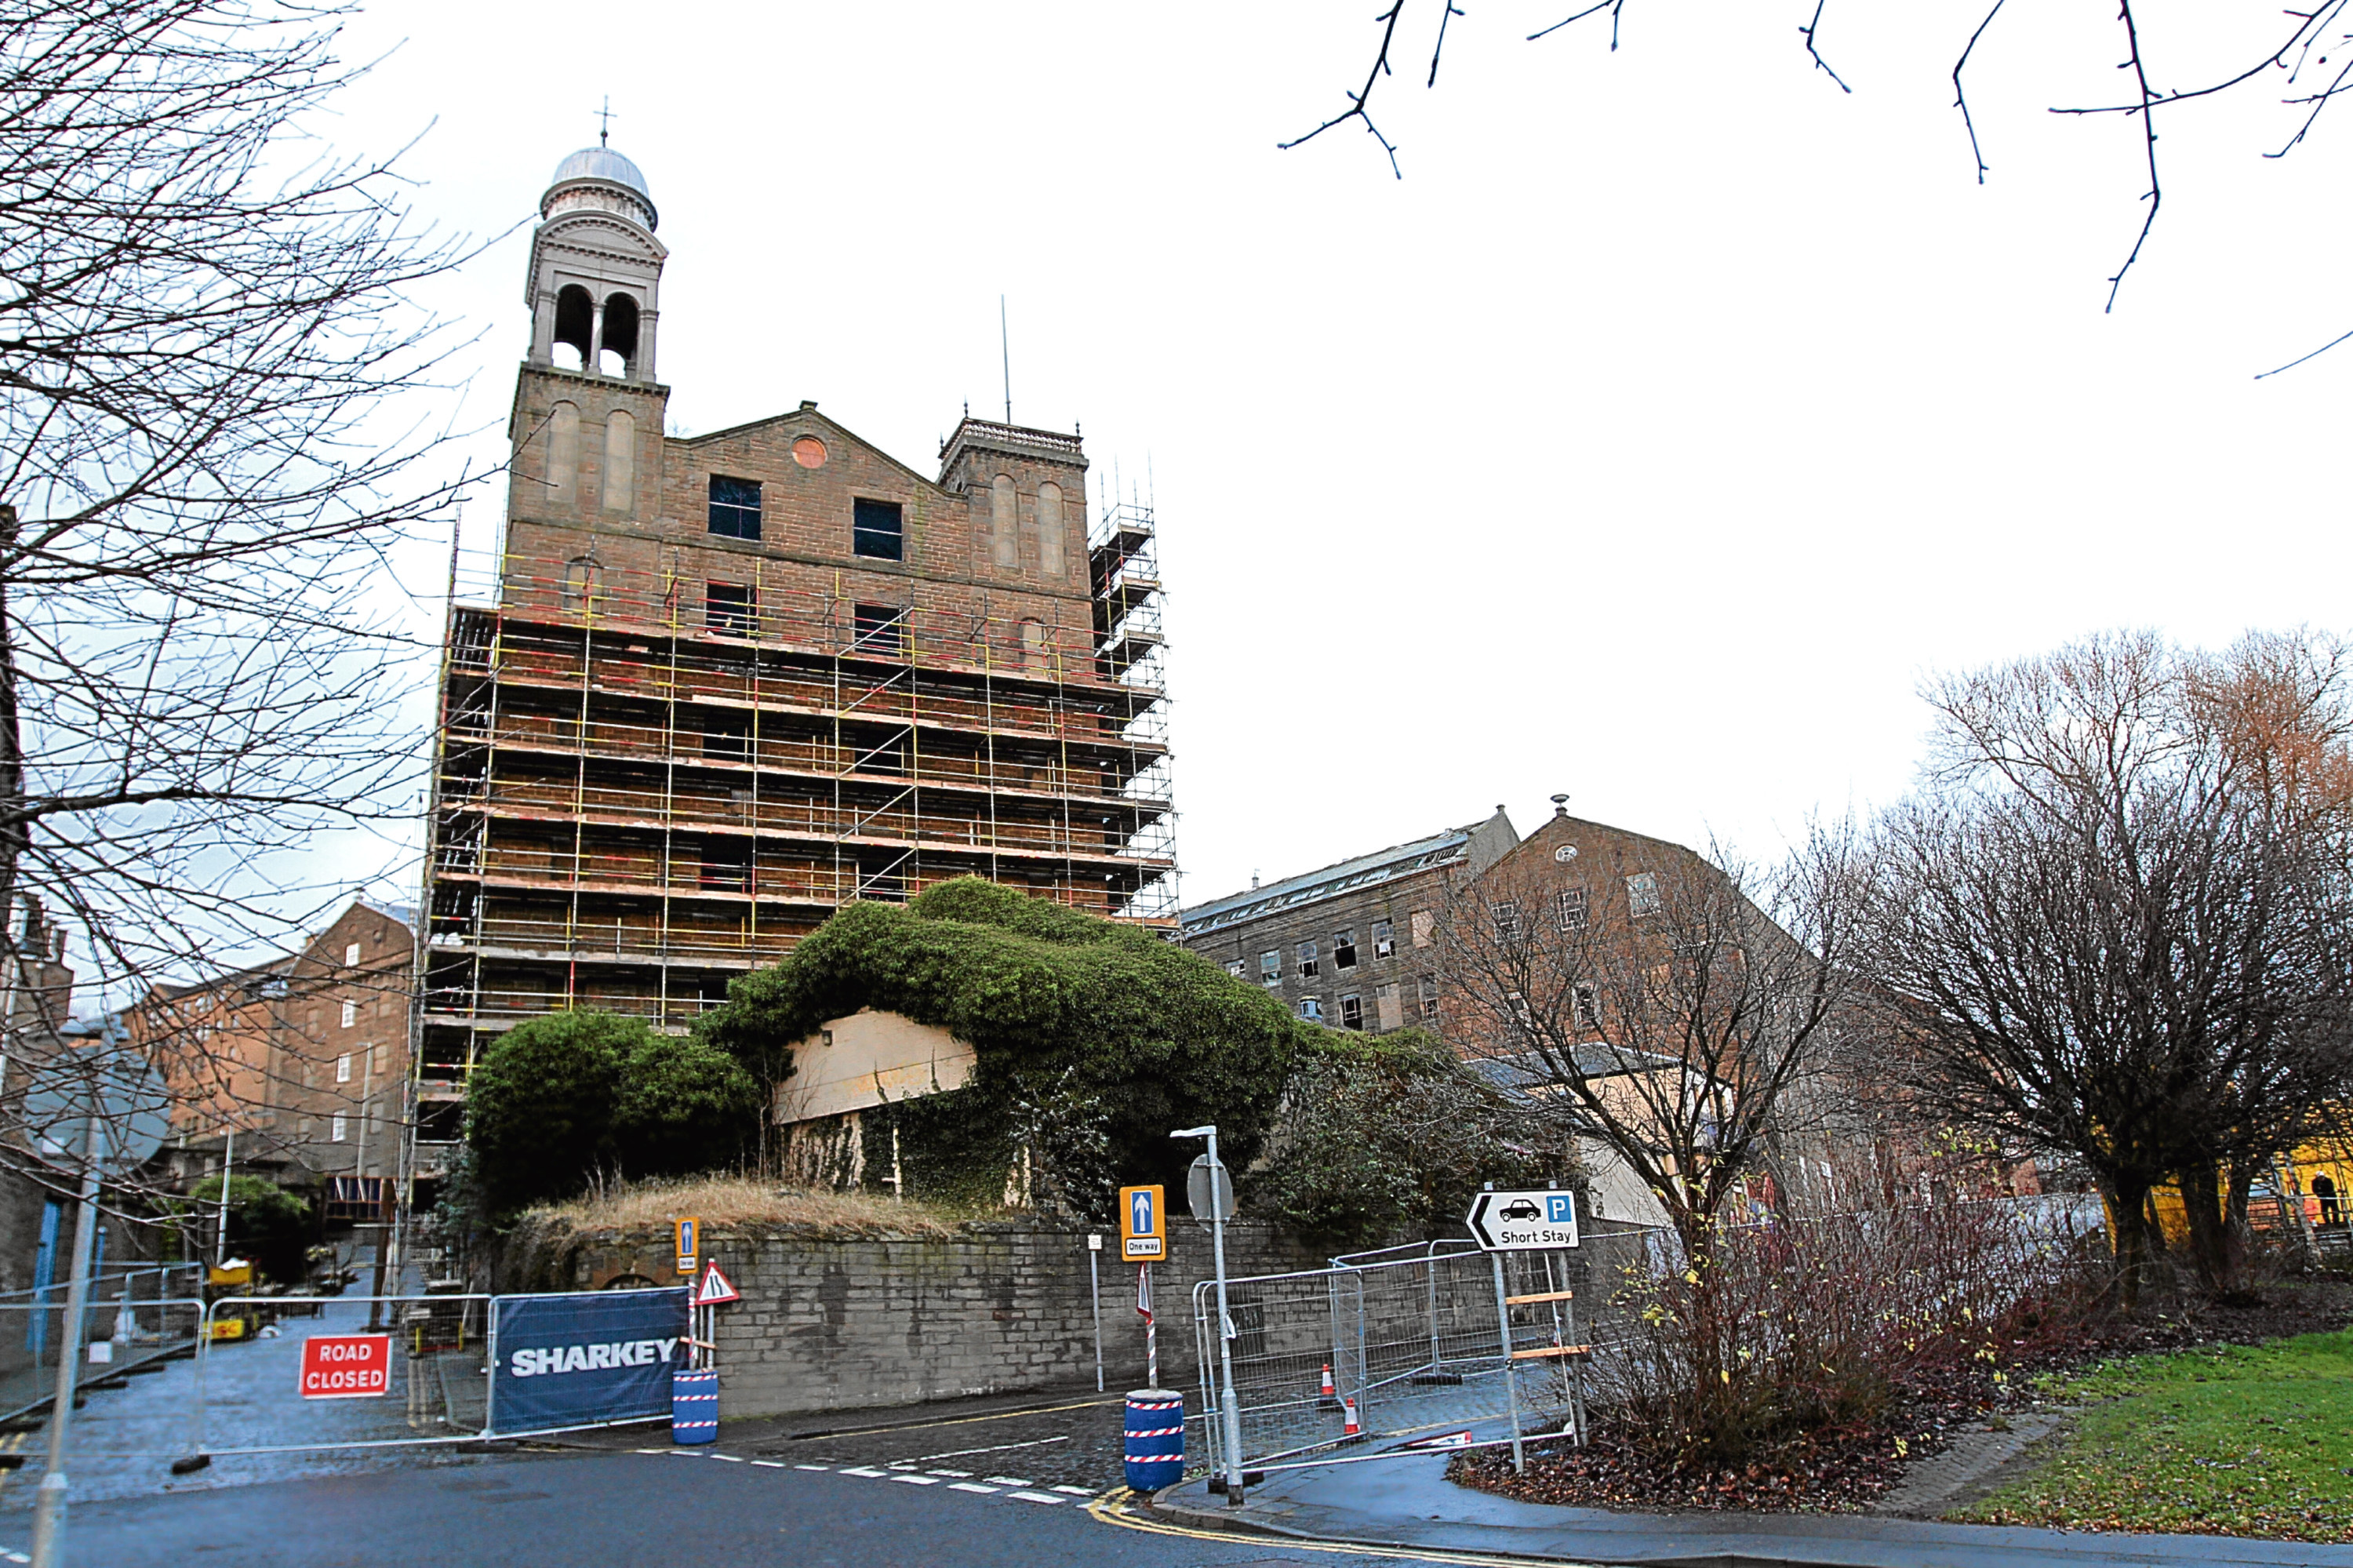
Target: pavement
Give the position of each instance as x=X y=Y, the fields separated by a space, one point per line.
x=1407 y=1502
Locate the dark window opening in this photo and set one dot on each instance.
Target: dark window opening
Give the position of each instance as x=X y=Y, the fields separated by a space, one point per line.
x=732 y=609
x=1352 y=1013
x=1384 y=940
x=1429 y=998
x=1344 y=950
x=1309 y=967
x=1269 y=967
x=734 y=507
x=727 y=866
x=1575 y=904
x=880 y=629
x=576 y=318
x=440 y=1121
x=620 y=335
x=876 y=530
x=728 y=736
x=888 y=754
x=1588 y=1011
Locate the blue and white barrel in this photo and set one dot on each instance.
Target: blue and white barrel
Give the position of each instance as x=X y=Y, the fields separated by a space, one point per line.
x=1156 y=1438
x=695 y=1406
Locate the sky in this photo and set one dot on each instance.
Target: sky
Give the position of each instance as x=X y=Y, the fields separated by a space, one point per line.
x=1652 y=440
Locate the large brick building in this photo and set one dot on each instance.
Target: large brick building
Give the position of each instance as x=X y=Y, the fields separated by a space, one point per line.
x=735 y=681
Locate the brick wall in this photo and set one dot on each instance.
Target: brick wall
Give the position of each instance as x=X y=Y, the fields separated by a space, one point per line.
x=999 y=1306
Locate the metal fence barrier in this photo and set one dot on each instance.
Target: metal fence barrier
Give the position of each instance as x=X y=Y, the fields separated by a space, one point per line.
x=132 y=1318
x=1414 y=1340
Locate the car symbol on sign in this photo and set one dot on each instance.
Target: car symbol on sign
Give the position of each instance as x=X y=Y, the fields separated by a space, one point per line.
x=1520 y=1209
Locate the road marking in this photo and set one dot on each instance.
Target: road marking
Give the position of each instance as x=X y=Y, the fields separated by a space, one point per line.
x=731 y=1458
x=1035 y=1496
x=972 y=1486
x=812 y=1467
x=1075 y=1491
x=994 y=1448
x=952 y=1475
x=15 y=1556
x=863 y=1471
x=778 y=1464
x=1112 y=1507
x=918 y=1480
x=900 y=1464
x=1006 y=1480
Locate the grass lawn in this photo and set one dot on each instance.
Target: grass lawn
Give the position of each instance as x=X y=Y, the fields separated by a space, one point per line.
x=2233 y=1441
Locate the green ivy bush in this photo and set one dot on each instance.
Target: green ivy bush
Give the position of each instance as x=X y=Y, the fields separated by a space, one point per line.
x=1386 y=1140
x=268 y=1227
x=570 y=1097
x=1093 y=1040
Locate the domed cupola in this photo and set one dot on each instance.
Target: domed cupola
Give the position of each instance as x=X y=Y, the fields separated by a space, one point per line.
x=599 y=179
x=595 y=269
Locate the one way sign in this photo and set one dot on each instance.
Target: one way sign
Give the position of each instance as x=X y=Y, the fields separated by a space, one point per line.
x=1523 y=1222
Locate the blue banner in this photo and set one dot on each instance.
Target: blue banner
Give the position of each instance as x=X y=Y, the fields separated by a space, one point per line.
x=593 y=1356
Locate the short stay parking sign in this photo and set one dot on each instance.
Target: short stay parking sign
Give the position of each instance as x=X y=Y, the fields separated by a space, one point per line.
x=347 y=1366
x=1523 y=1222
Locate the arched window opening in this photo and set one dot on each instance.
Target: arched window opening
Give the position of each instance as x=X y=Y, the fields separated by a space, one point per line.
x=576 y=318
x=1050 y=529
x=564 y=452
x=1004 y=524
x=583 y=581
x=619 y=349
x=620 y=463
x=1037 y=653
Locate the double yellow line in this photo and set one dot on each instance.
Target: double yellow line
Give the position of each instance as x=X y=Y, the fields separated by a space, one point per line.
x=1116 y=1507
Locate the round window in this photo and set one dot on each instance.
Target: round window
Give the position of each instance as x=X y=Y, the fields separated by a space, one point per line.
x=810 y=452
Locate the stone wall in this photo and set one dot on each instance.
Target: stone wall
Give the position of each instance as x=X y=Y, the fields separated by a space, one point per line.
x=993 y=1307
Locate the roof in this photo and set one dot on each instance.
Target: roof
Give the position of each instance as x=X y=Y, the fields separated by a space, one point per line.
x=606 y=164
x=1326 y=883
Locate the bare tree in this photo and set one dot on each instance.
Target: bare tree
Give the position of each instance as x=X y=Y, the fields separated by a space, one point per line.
x=1679 y=1013
x=211 y=440
x=2113 y=918
x=2304 y=56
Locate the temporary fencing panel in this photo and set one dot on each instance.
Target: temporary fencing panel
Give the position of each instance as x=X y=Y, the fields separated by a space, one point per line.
x=586 y=1358
x=1414 y=1340
x=252 y=1396
x=133 y=1316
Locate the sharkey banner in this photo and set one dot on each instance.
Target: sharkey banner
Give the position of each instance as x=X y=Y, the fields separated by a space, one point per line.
x=583 y=1358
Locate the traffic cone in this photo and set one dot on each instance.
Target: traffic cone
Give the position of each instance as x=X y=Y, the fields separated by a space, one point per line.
x=1329 y=1396
x=1348 y=1424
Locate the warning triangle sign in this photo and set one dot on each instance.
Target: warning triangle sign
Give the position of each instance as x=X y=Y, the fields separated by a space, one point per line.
x=715 y=1290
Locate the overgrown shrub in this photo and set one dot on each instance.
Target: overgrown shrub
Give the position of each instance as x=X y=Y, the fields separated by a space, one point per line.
x=570 y=1095
x=1386 y=1140
x=268 y=1227
x=1779 y=1330
x=1093 y=1039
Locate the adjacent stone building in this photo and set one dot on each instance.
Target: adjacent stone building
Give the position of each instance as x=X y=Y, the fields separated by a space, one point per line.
x=1350 y=944
x=732 y=681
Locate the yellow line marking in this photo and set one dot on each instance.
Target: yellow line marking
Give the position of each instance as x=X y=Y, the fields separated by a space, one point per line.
x=1112 y=1507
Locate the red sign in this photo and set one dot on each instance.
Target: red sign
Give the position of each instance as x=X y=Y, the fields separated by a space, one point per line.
x=347 y=1366
x=715 y=1290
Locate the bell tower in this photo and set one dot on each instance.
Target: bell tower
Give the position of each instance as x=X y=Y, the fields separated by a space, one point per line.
x=595 y=289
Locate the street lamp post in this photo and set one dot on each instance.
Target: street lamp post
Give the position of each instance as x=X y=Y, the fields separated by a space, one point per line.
x=49 y=1499
x=1233 y=1421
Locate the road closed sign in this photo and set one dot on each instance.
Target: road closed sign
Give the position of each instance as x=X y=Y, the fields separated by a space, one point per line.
x=347 y=1366
x=1523 y=1222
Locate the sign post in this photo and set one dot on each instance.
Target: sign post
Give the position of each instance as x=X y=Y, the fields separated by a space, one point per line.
x=1094 y=1297
x=1219 y=1196
x=1519 y=1221
x=1144 y=1241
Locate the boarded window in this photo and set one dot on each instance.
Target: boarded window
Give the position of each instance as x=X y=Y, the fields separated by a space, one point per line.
x=1269 y=967
x=1310 y=965
x=1004 y=524
x=621 y=463
x=1421 y=924
x=564 y=454
x=582 y=577
x=1388 y=1012
x=1352 y=1013
x=878 y=628
x=734 y=507
x=1642 y=894
x=1343 y=950
x=1051 y=546
x=877 y=530
x=732 y=609
x=1572 y=908
x=1037 y=651
x=1384 y=940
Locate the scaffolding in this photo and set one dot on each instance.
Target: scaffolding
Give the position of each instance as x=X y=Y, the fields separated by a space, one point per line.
x=644 y=787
